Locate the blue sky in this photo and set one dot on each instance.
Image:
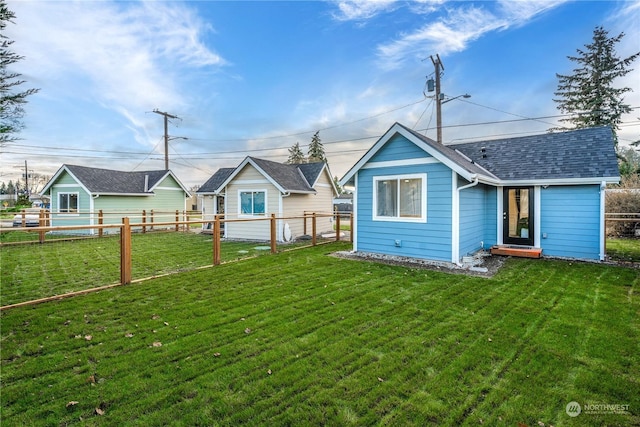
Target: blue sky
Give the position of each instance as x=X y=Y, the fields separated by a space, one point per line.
x=253 y=78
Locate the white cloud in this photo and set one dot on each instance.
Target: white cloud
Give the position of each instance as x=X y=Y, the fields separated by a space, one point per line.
x=127 y=57
x=350 y=10
x=459 y=26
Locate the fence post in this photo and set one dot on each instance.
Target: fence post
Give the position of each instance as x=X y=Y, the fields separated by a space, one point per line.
x=216 y=240
x=337 y=216
x=304 y=227
x=41 y=223
x=313 y=229
x=144 y=221
x=151 y=220
x=351 y=227
x=100 y=222
x=273 y=233
x=125 y=252
x=177 y=219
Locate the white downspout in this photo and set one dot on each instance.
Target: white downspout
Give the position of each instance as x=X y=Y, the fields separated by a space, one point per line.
x=456 y=225
x=603 y=231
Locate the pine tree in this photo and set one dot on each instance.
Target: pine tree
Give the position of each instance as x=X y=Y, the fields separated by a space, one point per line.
x=296 y=156
x=316 y=150
x=588 y=94
x=11 y=102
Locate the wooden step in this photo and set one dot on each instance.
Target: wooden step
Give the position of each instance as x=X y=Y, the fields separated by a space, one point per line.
x=517 y=251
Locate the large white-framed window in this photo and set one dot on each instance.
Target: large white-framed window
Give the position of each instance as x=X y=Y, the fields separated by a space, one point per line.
x=400 y=198
x=68 y=202
x=252 y=202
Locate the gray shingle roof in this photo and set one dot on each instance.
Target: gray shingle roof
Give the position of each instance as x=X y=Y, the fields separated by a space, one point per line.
x=581 y=153
x=116 y=182
x=216 y=180
x=291 y=178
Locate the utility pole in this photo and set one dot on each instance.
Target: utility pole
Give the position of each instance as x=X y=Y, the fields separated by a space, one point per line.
x=437 y=63
x=167 y=116
x=26 y=179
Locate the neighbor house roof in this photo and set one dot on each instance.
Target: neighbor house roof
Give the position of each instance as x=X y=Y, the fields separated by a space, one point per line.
x=577 y=156
x=287 y=178
x=213 y=183
x=113 y=182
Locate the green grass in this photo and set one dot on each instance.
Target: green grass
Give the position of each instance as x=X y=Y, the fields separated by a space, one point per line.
x=33 y=271
x=626 y=250
x=346 y=343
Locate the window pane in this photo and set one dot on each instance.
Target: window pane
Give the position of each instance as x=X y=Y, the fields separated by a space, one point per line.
x=387 y=198
x=64 y=202
x=73 y=202
x=246 y=201
x=411 y=197
x=258 y=203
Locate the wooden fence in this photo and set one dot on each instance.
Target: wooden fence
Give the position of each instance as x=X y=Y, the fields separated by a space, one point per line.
x=127 y=228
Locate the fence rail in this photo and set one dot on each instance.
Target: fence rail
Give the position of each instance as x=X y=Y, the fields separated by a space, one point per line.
x=623 y=225
x=55 y=260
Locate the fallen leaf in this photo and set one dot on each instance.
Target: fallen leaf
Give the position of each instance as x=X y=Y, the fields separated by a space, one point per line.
x=99 y=411
x=269 y=372
x=68 y=322
x=157 y=344
x=91 y=379
x=166 y=324
x=88 y=337
x=247 y=331
x=72 y=403
x=490 y=340
x=129 y=335
x=155 y=317
x=216 y=354
x=540 y=423
x=380 y=379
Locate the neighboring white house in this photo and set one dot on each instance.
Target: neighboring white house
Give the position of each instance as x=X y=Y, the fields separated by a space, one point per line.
x=258 y=188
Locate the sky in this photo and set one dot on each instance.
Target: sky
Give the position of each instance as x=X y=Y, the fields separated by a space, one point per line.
x=255 y=77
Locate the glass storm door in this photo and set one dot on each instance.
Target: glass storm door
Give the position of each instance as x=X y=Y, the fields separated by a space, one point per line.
x=518 y=216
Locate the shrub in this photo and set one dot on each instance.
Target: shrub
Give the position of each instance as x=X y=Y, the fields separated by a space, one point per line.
x=624 y=200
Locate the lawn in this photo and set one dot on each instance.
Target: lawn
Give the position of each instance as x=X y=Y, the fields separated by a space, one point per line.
x=33 y=271
x=302 y=338
x=624 y=250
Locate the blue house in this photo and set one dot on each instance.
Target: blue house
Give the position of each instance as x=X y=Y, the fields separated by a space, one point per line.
x=417 y=198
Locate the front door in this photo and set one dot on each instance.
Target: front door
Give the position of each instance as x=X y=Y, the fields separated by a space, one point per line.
x=518 y=216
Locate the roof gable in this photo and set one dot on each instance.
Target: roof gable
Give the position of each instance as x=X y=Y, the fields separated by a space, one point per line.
x=107 y=181
x=287 y=178
x=577 y=156
x=464 y=166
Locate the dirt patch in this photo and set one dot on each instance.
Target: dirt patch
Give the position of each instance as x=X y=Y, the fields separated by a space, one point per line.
x=482 y=264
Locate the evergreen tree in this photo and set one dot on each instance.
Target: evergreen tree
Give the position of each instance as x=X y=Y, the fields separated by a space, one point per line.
x=588 y=94
x=336 y=182
x=11 y=101
x=296 y=156
x=316 y=150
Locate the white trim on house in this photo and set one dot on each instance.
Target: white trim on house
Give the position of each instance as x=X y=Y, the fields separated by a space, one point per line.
x=67 y=213
x=537 y=217
x=252 y=181
x=168 y=188
x=603 y=187
x=399 y=129
x=500 y=216
x=355 y=213
x=405 y=162
x=398 y=218
x=559 y=181
x=250 y=190
x=455 y=219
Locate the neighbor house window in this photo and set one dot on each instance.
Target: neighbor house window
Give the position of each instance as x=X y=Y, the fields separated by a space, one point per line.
x=67 y=202
x=400 y=198
x=252 y=202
